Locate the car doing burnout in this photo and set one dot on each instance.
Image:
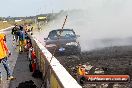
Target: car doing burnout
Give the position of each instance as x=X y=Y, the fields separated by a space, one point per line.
x=63 y=42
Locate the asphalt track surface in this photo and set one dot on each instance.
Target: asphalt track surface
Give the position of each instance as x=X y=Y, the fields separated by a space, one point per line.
x=19 y=65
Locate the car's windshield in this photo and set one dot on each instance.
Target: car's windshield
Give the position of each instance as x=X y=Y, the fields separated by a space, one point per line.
x=65 y=34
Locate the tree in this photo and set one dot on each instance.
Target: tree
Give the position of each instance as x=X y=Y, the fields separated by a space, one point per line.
x=1 y=18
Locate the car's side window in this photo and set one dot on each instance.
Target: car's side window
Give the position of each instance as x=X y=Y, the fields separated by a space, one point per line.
x=52 y=35
x=63 y=34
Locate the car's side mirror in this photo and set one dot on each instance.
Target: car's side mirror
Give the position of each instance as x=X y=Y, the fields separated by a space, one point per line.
x=45 y=38
x=77 y=35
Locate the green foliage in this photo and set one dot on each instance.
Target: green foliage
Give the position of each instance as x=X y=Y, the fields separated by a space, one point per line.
x=1 y=18
x=10 y=23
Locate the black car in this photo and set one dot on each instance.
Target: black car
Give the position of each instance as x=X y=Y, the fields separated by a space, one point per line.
x=63 y=42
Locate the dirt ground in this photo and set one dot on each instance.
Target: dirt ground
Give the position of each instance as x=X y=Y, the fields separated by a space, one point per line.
x=117 y=60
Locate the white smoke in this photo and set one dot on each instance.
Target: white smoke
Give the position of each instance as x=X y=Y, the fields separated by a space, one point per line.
x=103 y=23
x=100 y=23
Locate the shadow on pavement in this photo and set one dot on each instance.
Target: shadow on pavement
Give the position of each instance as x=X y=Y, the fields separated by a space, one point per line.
x=22 y=73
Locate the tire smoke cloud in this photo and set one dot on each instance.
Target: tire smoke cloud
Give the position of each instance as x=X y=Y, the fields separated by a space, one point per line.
x=100 y=23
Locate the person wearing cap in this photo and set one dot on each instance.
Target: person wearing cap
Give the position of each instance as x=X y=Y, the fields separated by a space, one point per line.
x=4 y=53
x=14 y=32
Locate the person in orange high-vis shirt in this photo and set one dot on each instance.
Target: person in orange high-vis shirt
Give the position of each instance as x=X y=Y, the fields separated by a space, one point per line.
x=4 y=53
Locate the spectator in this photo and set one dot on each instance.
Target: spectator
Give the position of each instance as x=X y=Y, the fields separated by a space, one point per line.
x=4 y=53
x=21 y=35
x=14 y=32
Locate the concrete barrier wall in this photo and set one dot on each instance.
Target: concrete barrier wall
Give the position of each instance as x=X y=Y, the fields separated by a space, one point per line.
x=57 y=76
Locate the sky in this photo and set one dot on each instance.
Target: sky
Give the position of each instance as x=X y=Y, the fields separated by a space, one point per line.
x=33 y=7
